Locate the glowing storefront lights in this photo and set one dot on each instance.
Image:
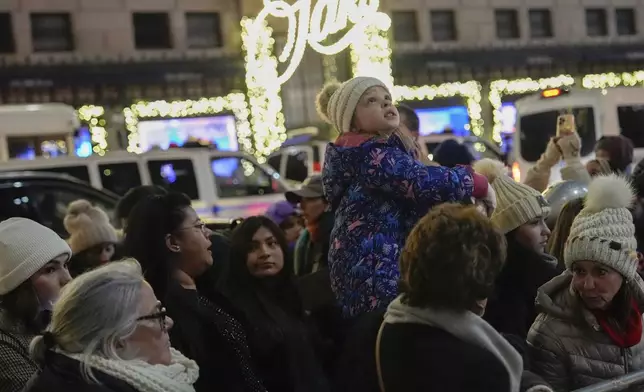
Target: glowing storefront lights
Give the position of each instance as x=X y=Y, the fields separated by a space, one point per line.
x=234 y=102
x=470 y=91
x=502 y=87
x=93 y=117
x=267 y=119
x=611 y=79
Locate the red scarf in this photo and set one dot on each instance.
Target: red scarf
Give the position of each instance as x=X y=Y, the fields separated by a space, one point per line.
x=631 y=335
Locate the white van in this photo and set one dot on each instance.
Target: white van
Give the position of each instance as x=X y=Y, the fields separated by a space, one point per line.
x=598 y=112
x=29 y=131
x=221 y=184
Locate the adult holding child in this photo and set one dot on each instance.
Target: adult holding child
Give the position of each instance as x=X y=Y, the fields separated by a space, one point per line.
x=378 y=192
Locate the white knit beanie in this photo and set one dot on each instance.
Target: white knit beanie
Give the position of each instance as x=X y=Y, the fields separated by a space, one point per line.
x=603 y=231
x=25 y=247
x=87 y=226
x=336 y=103
x=516 y=203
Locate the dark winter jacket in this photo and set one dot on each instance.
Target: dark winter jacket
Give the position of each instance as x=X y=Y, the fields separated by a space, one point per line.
x=16 y=365
x=417 y=358
x=63 y=374
x=378 y=192
x=211 y=331
x=511 y=309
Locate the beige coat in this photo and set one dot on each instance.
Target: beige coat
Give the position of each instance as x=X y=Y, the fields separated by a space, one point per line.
x=567 y=346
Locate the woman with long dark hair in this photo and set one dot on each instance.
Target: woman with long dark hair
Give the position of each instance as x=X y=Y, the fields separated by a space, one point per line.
x=172 y=244
x=520 y=215
x=260 y=283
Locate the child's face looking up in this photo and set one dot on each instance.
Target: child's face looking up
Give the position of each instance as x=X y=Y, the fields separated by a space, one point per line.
x=375 y=112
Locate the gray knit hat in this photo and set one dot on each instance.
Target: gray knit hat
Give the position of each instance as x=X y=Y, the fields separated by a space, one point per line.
x=603 y=231
x=336 y=103
x=25 y=247
x=516 y=203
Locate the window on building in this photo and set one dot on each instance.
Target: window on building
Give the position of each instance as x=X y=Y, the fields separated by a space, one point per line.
x=443 y=25
x=625 y=21
x=596 y=22
x=7 y=42
x=52 y=32
x=151 y=30
x=540 y=23
x=405 y=26
x=507 y=24
x=203 y=30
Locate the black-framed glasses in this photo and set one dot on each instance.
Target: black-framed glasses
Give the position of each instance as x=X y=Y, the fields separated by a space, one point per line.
x=199 y=225
x=160 y=316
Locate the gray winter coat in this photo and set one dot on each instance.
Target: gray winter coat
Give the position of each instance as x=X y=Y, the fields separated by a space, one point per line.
x=567 y=346
x=16 y=366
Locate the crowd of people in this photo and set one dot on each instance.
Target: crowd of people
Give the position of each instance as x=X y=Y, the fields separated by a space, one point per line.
x=387 y=272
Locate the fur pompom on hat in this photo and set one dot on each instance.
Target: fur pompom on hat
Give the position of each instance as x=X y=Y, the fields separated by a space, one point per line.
x=87 y=226
x=516 y=203
x=603 y=231
x=336 y=103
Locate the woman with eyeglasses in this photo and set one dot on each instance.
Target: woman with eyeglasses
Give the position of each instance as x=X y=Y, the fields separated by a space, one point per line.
x=110 y=333
x=165 y=234
x=33 y=269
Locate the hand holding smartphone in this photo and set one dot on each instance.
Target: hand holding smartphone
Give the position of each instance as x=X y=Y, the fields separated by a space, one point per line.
x=566 y=125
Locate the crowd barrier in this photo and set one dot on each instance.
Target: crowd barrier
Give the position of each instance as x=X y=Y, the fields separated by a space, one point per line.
x=618 y=384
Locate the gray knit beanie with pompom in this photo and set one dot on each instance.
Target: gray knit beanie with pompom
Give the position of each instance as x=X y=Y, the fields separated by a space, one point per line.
x=336 y=103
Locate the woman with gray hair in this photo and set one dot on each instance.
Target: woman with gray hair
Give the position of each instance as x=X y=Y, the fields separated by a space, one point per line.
x=109 y=333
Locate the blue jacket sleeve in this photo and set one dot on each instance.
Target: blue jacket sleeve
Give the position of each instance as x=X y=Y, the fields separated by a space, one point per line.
x=391 y=170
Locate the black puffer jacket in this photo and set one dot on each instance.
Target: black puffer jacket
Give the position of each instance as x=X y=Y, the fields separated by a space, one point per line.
x=511 y=309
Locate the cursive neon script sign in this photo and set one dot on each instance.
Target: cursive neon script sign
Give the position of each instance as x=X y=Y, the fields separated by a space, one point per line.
x=314 y=26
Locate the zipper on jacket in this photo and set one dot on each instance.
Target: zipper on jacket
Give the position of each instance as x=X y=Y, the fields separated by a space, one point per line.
x=625 y=361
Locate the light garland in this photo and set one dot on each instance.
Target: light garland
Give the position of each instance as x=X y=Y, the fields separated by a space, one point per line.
x=233 y=102
x=499 y=88
x=93 y=117
x=267 y=120
x=371 y=54
x=470 y=91
x=606 y=80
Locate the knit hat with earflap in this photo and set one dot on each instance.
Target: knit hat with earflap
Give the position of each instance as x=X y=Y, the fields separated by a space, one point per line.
x=25 y=247
x=87 y=226
x=516 y=203
x=603 y=231
x=336 y=103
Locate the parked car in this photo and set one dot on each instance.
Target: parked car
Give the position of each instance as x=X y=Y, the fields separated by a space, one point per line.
x=44 y=197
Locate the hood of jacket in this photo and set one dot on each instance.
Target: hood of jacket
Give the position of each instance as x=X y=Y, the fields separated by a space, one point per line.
x=347 y=158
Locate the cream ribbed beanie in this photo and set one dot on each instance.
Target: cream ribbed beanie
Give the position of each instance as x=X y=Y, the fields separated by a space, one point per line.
x=25 y=247
x=516 y=203
x=603 y=231
x=336 y=103
x=87 y=226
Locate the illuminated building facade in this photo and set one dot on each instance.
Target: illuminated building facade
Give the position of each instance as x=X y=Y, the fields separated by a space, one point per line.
x=512 y=47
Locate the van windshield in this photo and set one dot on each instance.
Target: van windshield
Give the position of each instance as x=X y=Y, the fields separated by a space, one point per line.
x=536 y=130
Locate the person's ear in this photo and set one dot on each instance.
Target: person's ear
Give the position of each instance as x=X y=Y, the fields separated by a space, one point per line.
x=172 y=244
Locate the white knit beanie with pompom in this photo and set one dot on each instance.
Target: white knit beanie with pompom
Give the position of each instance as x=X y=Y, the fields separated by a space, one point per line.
x=603 y=231
x=87 y=226
x=336 y=103
x=516 y=203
